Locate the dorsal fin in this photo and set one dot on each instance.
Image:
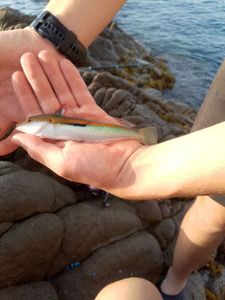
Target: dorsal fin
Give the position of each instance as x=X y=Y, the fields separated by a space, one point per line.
x=125 y=123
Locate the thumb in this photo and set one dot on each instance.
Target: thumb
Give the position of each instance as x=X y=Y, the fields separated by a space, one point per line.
x=25 y=141
x=46 y=153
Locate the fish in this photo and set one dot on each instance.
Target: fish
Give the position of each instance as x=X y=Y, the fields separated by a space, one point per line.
x=58 y=127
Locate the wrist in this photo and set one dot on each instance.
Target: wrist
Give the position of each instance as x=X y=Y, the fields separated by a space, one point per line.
x=85 y=18
x=150 y=177
x=72 y=15
x=65 y=41
x=38 y=41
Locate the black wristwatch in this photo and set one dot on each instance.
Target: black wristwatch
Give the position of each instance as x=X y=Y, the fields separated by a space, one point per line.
x=50 y=28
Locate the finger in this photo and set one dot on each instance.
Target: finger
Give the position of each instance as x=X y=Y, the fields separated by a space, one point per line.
x=6 y=132
x=56 y=78
x=39 y=83
x=7 y=146
x=47 y=154
x=76 y=83
x=25 y=95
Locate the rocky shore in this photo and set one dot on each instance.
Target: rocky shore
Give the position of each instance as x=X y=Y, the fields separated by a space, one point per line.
x=60 y=242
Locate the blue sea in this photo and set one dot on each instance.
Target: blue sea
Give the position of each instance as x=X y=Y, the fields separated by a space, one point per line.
x=189 y=34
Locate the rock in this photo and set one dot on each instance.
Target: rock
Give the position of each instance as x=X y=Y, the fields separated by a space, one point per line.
x=164 y=232
x=165 y=207
x=195 y=289
x=13 y=19
x=41 y=290
x=176 y=207
x=21 y=195
x=89 y=226
x=5 y=227
x=148 y=211
x=152 y=93
x=102 y=50
x=28 y=249
x=137 y=255
x=216 y=285
x=168 y=252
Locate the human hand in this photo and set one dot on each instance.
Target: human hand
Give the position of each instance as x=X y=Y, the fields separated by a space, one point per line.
x=13 y=44
x=102 y=165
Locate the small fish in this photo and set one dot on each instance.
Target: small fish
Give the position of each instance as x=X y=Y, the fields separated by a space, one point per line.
x=58 y=127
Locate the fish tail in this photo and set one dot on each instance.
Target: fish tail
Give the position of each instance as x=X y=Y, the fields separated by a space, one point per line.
x=148 y=135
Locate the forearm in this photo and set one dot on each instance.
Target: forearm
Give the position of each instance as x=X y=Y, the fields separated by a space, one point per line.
x=86 y=18
x=187 y=166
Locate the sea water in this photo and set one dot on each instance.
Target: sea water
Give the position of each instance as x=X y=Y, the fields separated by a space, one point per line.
x=189 y=34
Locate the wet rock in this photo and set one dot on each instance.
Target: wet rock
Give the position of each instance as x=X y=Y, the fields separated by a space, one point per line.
x=41 y=290
x=137 y=255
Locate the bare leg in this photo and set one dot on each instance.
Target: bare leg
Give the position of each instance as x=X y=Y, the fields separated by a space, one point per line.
x=130 y=289
x=203 y=227
x=212 y=110
x=201 y=232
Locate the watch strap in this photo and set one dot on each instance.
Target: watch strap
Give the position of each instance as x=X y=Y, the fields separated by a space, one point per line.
x=50 y=28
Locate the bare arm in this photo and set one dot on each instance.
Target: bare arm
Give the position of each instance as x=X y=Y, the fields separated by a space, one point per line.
x=87 y=18
x=187 y=166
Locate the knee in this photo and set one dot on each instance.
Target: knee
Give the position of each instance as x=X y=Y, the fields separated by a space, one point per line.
x=210 y=211
x=129 y=289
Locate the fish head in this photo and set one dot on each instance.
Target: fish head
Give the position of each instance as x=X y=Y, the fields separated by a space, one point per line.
x=32 y=127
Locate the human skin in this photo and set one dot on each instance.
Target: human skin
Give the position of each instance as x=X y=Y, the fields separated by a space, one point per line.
x=203 y=227
x=195 y=222
x=130 y=289
x=186 y=166
x=80 y=16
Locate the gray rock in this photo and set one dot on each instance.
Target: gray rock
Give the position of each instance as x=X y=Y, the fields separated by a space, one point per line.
x=216 y=285
x=164 y=232
x=153 y=93
x=148 y=211
x=24 y=193
x=41 y=290
x=137 y=255
x=28 y=249
x=89 y=226
x=195 y=289
x=12 y=19
x=5 y=227
x=165 y=207
x=102 y=50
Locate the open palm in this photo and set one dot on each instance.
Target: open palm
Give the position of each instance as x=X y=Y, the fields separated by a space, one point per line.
x=99 y=164
x=13 y=44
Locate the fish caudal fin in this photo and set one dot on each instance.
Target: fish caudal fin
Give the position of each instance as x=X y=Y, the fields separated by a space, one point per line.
x=148 y=135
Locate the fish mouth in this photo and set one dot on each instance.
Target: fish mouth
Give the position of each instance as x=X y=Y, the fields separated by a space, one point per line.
x=34 y=128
